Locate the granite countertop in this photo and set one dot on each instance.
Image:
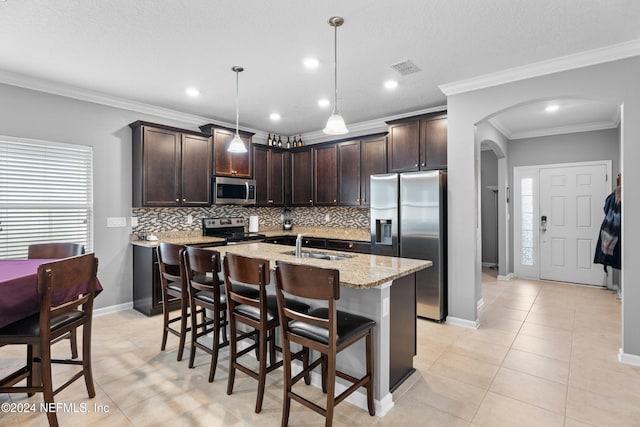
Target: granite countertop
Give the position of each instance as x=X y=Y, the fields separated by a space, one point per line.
x=178 y=238
x=360 y=271
x=342 y=233
x=195 y=237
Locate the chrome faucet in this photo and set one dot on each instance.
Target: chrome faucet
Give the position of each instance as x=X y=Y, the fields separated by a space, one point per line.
x=299 y=246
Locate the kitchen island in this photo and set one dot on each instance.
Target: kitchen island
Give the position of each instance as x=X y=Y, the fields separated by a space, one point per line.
x=379 y=287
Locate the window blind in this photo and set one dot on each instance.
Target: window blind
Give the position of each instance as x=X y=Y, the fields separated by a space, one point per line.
x=46 y=195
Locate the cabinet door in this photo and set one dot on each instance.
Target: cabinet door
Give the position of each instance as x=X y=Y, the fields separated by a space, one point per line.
x=301 y=176
x=373 y=161
x=276 y=178
x=325 y=185
x=261 y=174
x=349 y=173
x=221 y=157
x=404 y=147
x=161 y=163
x=196 y=170
x=433 y=135
x=230 y=164
x=241 y=162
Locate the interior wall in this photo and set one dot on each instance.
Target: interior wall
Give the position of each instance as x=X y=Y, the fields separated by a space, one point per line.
x=31 y=114
x=567 y=148
x=488 y=201
x=612 y=82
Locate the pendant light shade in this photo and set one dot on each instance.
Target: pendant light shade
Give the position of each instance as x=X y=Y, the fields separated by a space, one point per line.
x=335 y=124
x=237 y=144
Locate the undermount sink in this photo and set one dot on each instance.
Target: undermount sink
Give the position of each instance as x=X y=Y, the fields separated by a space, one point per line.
x=319 y=255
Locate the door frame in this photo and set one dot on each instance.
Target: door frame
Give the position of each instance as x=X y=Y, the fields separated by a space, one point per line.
x=519 y=172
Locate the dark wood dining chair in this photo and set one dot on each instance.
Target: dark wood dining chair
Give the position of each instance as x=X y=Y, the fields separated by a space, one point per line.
x=66 y=288
x=174 y=288
x=59 y=250
x=206 y=292
x=324 y=329
x=54 y=250
x=246 y=281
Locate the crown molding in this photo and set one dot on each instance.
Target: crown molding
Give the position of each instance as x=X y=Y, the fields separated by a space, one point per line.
x=536 y=69
x=560 y=130
x=69 y=91
x=367 y=127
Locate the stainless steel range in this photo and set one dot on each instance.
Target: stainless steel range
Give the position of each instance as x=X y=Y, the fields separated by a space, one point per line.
x=232 y=229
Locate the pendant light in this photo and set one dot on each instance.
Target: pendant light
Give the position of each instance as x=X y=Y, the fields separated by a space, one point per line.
x=335 y=124
x=237 y=144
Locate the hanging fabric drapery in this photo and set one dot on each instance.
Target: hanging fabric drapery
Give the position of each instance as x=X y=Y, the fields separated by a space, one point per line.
x=608 y=247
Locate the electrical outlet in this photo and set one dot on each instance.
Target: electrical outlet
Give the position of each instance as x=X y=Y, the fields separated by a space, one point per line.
x=327 y=217
x=134 y=221
x=189 y=219
x=116 y=221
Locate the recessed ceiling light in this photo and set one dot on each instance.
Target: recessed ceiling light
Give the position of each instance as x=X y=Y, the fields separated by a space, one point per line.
x=324 y=102
x=192 y=91
x=274 y=116
x=311 y=63
x=552 y=108
x=391 y=84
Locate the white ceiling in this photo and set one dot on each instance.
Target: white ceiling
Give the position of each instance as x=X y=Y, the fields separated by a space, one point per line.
x=149 y=51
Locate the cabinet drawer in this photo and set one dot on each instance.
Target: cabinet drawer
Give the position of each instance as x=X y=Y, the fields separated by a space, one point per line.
x=311 y=242
x=349 y=246
x=281 y=240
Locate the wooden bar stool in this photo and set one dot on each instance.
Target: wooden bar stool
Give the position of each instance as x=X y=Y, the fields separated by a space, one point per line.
x=206 y=292
x=246 y=280
x=58 y=250
x=323 y=329
x=174 y=286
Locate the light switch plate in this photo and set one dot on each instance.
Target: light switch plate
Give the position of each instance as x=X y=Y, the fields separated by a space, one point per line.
x=116 y=221
x=134 y=221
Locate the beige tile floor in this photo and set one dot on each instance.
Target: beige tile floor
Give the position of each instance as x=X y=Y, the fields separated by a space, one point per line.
x=544 y=355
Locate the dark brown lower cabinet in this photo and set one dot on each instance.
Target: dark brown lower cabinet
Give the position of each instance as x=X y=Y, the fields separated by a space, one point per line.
x=403 y=324
x=147 y=293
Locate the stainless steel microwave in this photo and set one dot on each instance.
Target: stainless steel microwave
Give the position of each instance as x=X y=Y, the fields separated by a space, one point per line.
x=233 y=191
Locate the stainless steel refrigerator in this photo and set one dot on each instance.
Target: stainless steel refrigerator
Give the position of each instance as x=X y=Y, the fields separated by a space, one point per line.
x=409 y=220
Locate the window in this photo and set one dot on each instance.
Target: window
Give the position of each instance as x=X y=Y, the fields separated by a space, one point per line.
x=46 y=195
x=526 y=216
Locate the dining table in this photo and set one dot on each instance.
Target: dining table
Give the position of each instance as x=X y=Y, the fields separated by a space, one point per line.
x=19 y=297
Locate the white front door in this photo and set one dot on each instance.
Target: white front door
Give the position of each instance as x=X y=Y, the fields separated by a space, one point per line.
x=570 y=215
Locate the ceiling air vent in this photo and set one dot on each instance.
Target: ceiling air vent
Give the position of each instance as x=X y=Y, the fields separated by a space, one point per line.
x=405 y=67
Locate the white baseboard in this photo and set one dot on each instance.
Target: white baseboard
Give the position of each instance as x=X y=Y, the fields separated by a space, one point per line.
x=628 y=359
x=455 y=321
x=112 y=309
x=489 y=264
x=507 y=277
x=480 y=303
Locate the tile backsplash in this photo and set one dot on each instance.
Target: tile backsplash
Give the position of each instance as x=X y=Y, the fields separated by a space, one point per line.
x=155 y=220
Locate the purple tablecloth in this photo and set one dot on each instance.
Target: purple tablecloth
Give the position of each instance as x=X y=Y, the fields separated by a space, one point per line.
x=18 y=289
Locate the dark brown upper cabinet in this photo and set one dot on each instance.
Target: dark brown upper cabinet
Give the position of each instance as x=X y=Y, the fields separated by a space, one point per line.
x=229 y=164
x=349 y=171
x=269 y=167
x=418 y=143
x=357 y=161
x=433 y=137
x=171 y=167
x=325 y=182
x=373 y=155
x=301 y=178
